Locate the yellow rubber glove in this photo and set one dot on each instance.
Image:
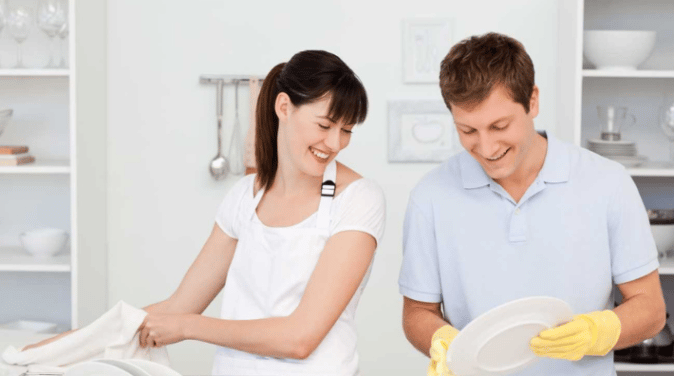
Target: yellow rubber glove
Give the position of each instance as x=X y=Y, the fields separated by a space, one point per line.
x=595 y=333
x=440 y=342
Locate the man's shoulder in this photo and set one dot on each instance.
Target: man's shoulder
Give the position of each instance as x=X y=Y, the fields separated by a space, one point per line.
x=589 y=164
x=443 y=179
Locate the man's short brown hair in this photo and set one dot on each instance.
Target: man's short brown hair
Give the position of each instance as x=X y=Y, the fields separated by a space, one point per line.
x=475 y=65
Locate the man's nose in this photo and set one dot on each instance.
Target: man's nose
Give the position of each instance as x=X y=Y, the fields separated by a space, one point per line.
x=487 y=146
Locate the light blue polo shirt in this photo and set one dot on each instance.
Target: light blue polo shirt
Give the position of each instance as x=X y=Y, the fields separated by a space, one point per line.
x=580 y=227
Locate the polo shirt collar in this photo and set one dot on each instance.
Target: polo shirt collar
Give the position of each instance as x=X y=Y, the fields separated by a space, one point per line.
x=556 y=167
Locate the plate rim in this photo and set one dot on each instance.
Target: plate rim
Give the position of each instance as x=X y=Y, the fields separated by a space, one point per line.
x=94 y=363
x=132 y=370
x=562 y=305
x=141 y=362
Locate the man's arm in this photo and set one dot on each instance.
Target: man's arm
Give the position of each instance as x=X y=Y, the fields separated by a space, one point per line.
x=642 y=312
x=420 y=321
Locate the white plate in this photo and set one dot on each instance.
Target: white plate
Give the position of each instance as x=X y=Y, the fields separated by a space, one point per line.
x=154 y=369
x=497 y=342
x=95 y=368
x=122 y=364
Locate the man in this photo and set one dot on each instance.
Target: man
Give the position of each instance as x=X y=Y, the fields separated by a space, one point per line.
x=518 y=214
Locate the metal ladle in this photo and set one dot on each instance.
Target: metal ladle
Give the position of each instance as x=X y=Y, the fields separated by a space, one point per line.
x=219 y=165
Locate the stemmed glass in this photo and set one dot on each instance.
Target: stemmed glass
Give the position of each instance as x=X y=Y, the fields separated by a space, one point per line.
x=50 y=18
x=63 y=34
x=19 y=24
x=667 y=123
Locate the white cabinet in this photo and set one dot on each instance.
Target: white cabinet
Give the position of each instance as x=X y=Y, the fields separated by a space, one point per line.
x=582 y=88
x=42 y=194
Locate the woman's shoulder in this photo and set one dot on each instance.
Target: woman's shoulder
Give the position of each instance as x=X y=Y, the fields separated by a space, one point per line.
x=345 y=176
x=245 y=187
x=351 y=182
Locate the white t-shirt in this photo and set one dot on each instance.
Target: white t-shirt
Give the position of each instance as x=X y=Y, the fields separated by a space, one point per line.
x=361 y=206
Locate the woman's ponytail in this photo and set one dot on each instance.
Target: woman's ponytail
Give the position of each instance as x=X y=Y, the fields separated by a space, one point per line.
x=266 y=129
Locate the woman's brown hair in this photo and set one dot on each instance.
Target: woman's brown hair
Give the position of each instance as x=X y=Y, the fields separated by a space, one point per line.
x=475 y=65
x=307 y=77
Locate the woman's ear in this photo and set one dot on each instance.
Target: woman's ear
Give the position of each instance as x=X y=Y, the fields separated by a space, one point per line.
x=282 y=106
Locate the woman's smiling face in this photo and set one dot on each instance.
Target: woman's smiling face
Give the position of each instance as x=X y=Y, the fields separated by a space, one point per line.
x=308 y=136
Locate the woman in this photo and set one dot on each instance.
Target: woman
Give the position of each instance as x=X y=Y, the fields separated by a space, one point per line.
x=293 y=244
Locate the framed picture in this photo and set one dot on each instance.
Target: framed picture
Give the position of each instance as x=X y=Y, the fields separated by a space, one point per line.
x=421 y=131
x=425 y=44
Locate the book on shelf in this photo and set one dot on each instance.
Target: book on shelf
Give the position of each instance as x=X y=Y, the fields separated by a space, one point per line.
x=13 y=156
x=11 y=150
x=17 y=160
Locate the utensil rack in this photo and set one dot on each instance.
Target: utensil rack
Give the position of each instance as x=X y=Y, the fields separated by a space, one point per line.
x=226 y=78
x=220 y=165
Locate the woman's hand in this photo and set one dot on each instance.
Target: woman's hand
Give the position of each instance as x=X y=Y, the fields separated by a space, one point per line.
x=161 y=329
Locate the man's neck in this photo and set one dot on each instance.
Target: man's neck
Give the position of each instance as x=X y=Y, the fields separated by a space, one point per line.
x=517 y=184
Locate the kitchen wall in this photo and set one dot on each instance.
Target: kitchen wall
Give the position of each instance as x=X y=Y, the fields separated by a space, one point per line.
x=161 y=131
x=91 y=23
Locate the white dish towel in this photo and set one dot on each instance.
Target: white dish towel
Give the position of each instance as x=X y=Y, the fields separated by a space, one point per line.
x=113 y=336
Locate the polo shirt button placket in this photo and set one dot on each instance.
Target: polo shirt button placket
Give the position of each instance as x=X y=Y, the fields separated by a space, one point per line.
x=518 y=226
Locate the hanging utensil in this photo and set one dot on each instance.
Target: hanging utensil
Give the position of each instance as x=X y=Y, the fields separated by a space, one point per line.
x=235 y=154
x=219 y=165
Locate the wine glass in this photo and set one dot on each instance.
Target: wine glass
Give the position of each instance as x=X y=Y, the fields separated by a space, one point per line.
x=19 y=24
x=667 y=123
x=63 y=34
x=51 y=18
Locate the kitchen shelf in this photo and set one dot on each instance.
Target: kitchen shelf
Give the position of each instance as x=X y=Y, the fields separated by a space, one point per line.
x=15 y=259
x=653 y=168
x=637 y=367
x=39 y=167
x=629 y=74
x=666 y=267
x=34 y=72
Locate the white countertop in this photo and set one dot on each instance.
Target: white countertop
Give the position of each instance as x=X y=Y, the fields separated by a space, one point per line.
x=18 y=339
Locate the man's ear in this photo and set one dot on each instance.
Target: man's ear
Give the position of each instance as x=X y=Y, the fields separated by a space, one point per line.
x=282 y=106
x=533 y=102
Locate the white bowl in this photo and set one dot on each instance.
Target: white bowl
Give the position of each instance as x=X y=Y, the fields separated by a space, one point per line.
x=44 y=242
x=618 y=49
x=664 y=237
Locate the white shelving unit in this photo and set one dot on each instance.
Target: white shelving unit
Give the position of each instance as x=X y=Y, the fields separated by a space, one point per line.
x=635 y=367
x=667 y=267
x=40 y=194
x=15 y=259
x=34 y=72
x=635 y=74
x=582 y=88
x=39 y=167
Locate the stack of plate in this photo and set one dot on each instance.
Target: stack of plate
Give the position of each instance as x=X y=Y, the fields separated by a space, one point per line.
x=118 y=367
x=622 y=151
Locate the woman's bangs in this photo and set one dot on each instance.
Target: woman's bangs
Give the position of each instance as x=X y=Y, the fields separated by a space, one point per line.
x=349 y=102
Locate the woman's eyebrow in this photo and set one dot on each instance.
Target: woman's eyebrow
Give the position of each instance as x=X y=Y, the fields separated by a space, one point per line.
x=328 y=118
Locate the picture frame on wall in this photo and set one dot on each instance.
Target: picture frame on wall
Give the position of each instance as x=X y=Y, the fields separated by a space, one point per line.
x=426 y=41
x=421 y=131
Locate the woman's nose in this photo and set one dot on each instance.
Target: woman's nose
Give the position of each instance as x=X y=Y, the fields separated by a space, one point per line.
x=333 y=139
